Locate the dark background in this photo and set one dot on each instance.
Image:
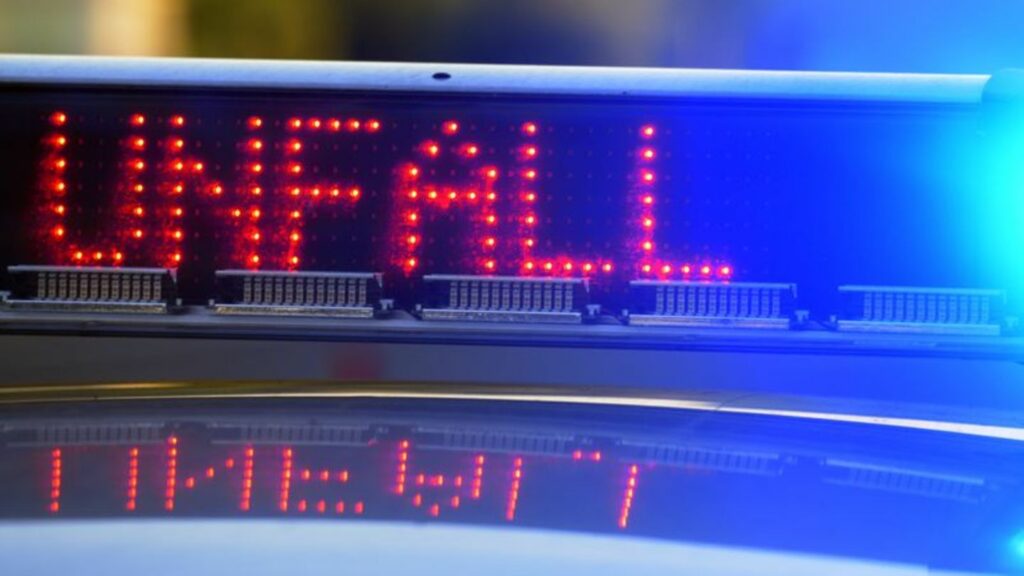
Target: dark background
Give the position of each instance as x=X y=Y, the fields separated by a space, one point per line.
x=867 y=35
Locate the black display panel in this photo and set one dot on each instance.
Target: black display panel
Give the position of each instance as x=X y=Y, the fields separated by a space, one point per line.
x=614 y=189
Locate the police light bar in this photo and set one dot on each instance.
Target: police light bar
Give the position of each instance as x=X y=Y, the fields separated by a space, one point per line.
x=332 y=294
x=505 y=299
x=92 y=289
x=675 y=193
x=711 y=304
x=921 y=310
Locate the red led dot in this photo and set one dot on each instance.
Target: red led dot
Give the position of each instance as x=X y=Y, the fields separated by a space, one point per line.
x=587 y=267
x=118 y=256
x=413 y=217
x=528 y=242
x=352 y=125
x=60 y=163
x=138 y=143
x=530 y=174
x=58 y=232
x=528 y=265
x=530 y=151
x=431 y=149
x=648 y=222
x=648 y=199
x=491 y=173
x=216 y=189
x=294 y=260
x=59 y=186
x=686 y=269
x=138 y=211
x=256 y=191
x=315 y=192
x=411 y=263
x=293 y=145
x=256 y=213
x=59 y=141
x=647 y=153
x=549 y=266
x=295 y=191
x=177 y=234
x=255 y=258
x=334 y=124
x=452 y=195
x=254 y=122
x=138 y=188
x=412 y=172
x=471 y=150
x=97 y=255
x=432 y=194
x=647 y=176
x=491 y=219
x=646 y=268
x=647 y=131
x=705 y=270
x=647 y=245
x=530 y=197
x=255 y=144
x=295 y=123
x=490 y=264
x=178 y=188
x=412 y=239
x=295 y=168
x=176 y=257
x=137 y=233
x=490 y=241
x=59 y=209
x=177 y=120
x=529 y=128
x=255 y=236
x=296 y=214
x=567 y=266
x=606 y=267
x=177 y=211
x=176 y=143
x=725 y=271
x=372 y=125
x=236 y=213
x=58 y=118
x=450 y=127
x=139 y=165
x=666 y=269
x=137 y=120
x=471 y=195
x=530 y=220
x=314 y=123
x=78 y=255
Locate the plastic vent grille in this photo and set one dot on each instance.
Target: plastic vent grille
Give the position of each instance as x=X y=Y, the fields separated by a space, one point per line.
x=355 y=295
x=756 y=463
x=750 y=305
x=299 y=434
x=90 y=435
x=149 y=290
x=497 y=442
x=505 y=299
x=874 y=308
x=905 y=481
